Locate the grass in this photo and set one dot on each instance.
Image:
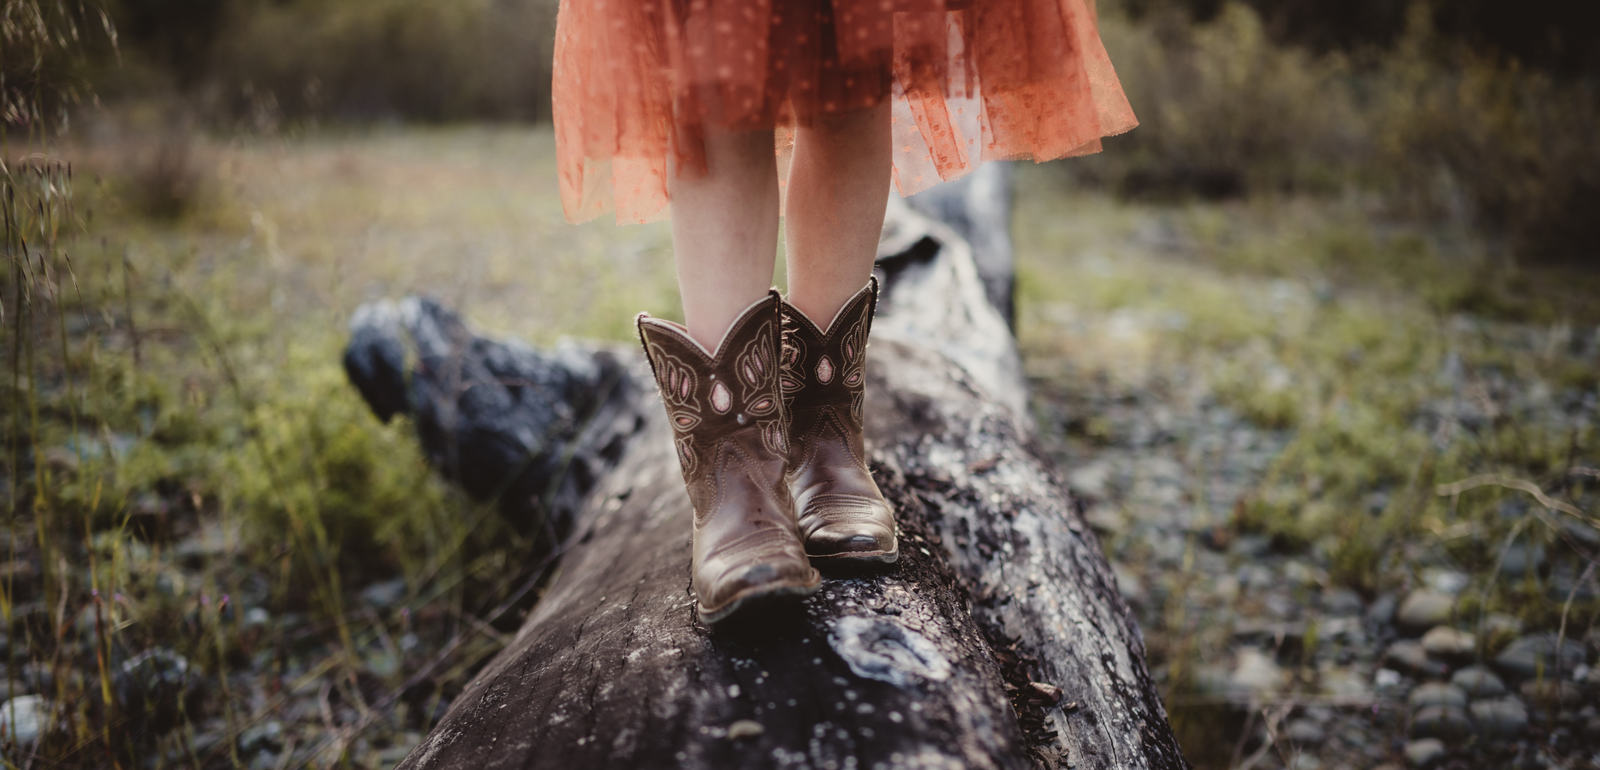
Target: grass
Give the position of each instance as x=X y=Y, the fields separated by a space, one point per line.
x=190 y=471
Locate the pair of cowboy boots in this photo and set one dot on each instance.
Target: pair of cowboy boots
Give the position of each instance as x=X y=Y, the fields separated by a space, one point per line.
x=769 y=436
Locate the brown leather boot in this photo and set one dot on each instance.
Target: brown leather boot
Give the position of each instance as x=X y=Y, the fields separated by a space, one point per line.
x=843 y=516
x=726 y=412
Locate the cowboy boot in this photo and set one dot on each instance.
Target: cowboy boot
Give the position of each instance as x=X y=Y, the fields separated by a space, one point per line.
x=843 y=516
x=726 y=412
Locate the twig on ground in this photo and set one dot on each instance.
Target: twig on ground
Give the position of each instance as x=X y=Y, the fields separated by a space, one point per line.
x=1490 y=479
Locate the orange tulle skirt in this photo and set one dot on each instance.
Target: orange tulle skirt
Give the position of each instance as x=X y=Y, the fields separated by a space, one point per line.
x=638 y=82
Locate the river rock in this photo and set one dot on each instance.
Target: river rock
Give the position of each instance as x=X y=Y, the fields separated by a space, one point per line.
x=1525 y=658
x=1437 y=694
x=1446 y=643
x=1410 y=656
x=1445 y=722
x=1424 y=753
x=1478 y=682
x=1423 y=610
x=1500 y=718
x=30 y=714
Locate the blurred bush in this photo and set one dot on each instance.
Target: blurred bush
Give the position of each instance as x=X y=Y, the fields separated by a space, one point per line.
x=253 y=63
x=1440 y=127
x=389 y=58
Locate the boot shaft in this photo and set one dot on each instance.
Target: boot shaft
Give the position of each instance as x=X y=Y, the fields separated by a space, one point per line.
x=723 y=400
x=824 y=370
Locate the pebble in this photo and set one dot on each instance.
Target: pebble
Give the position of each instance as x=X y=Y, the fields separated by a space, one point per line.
x=1446 y=581
x=1304 y=732
x=1478 y=682
x=1251 y=546
x=265 y=736
x=1500 y=717
x=1440 y=722
x=1525 y=658
x=745 y=728
x=1437 y=694
x=1342 y=602
x=31 y=712
x=1381 y=612
x=1522 y=559
x=1410 y=656
x=1424 y=753
x=1254 y=672
x=385 y=594
x=1423 y=610
x=1447 y=643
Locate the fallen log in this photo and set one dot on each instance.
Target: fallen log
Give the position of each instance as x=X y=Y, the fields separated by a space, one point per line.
x=998 y=641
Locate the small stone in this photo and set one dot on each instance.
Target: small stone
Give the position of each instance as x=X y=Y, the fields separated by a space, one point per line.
x=1437 y=694
x=745 y=728
x=1446 y=581
x=1500 y=718
x=1530 y=656
x=1423 y=610
x=1447 y=643
x=1381 y=611
x=1386 y=678
x=1478 y=682
x=1410 y=656
x=265 y=736
x=30 y=714
x=1342 y=602
x=1256 y=673
x=385 y=594
x=1251 y=546
x=1582 y=532
x=1344 y=684
x=1304 y=732
x=1424 y=753
x=1521 y=560
x=1440 y=722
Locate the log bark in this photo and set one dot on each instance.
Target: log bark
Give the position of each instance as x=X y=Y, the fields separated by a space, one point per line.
x=998 y=641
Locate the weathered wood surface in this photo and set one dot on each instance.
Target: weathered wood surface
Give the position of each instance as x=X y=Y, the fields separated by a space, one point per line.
x=953 y=658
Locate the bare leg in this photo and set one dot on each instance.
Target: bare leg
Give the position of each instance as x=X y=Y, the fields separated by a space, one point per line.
x=725 y=232
x=838 y=190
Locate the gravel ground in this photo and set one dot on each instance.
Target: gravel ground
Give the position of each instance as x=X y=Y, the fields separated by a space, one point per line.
x=1266 y=660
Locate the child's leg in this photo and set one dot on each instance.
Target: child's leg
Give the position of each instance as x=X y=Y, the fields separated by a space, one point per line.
x=726 y=407
x=838 y=189
x=725 y=231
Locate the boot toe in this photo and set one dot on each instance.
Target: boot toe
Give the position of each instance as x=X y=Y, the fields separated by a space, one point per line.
x=855 y=530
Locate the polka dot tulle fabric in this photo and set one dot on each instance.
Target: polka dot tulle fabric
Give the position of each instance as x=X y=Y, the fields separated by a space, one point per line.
x=637 y=81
